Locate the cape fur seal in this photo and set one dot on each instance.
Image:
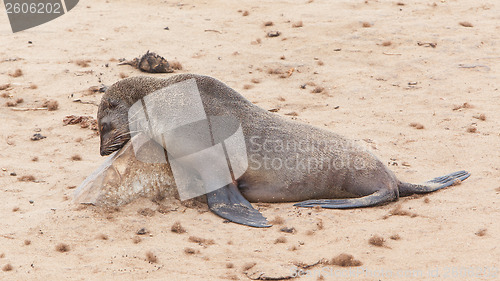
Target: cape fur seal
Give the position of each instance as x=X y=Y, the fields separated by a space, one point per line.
x=287 y=161
x=122 y=178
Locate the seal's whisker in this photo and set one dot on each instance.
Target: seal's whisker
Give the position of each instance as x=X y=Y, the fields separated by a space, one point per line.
x=121 y=135
x=137 y=112
x=125 y=134
x=135 y=131
x=137 y=120
x=114 y=145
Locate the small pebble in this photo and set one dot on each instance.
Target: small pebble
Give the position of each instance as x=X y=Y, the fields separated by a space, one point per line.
x=142 y=231
x=288 y=229
x=37 y=136
x=273 y=34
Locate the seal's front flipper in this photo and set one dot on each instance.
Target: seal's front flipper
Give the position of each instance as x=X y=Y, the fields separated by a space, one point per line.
x=379 y=197
x=227 y=202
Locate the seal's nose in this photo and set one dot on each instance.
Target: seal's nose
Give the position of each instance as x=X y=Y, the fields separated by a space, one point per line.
x=102 y=148
x=102 y=151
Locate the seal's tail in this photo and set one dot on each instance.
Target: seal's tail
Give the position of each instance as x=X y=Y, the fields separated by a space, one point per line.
x=406 y=189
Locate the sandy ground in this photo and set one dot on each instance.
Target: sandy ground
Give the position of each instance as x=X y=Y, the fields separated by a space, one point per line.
x=379 y=72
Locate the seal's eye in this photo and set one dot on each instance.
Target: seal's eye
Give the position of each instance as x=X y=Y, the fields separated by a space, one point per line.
x=105 y=127
x=109 y=103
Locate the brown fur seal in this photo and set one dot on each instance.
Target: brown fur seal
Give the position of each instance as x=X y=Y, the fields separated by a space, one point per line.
x=122 y=178
x=287 y=161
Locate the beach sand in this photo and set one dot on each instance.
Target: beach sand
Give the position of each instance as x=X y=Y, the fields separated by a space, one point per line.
x=371 y=69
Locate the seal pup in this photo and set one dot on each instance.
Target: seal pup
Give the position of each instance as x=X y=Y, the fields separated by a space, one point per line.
x=288 y=161
x=122 y=178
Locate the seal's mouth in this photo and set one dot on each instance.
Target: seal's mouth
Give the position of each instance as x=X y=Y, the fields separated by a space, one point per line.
x=110 y=145
x=107 y=150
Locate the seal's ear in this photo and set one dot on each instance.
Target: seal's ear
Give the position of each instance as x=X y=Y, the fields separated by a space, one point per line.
x=109 y=103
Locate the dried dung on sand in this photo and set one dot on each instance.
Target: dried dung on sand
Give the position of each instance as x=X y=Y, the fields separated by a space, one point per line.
x=84 y=121
x=150 y=62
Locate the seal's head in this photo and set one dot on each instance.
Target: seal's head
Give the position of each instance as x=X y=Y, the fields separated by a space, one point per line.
x=112 y=116
x=112 y=120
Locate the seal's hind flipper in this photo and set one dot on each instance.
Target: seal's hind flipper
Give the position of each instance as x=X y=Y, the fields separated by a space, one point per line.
x=227 y=202
x=406 y=189
x=449 y=179
x=379 y=197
